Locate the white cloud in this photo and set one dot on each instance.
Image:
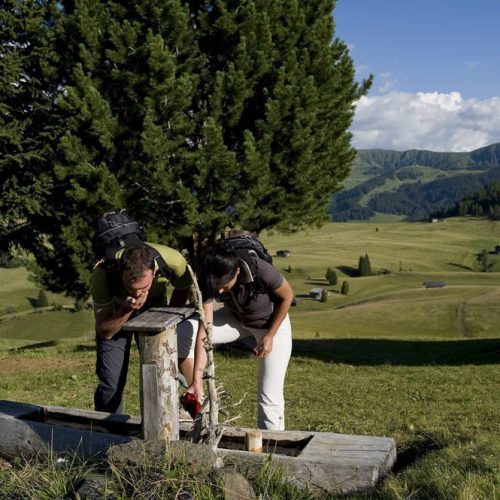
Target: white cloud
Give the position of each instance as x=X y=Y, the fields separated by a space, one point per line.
x=434 y=121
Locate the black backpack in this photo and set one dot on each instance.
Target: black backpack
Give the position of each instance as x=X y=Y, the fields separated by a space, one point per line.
x=248 y=247
x=117 y=230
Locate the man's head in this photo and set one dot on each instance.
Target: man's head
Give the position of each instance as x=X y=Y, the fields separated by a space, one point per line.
x=137 y=269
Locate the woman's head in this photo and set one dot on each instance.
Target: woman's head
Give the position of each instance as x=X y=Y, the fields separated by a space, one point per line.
x=220 y=270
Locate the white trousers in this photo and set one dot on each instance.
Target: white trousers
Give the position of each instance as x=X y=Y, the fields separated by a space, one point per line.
x=272 y=369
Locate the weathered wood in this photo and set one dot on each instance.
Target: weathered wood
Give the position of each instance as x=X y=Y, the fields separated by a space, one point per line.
x=158 y=319
x=159 y=398
x=253 y=441
x=151 y=428
x=158 y=374
x=30 y=438
x=325 y=461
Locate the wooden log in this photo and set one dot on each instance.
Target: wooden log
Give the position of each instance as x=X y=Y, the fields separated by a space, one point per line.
x=253 y=441
x=28 y=438
x=159 y=398
x=158 y=374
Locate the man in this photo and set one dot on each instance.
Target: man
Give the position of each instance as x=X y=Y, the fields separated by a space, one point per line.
x=117 y=297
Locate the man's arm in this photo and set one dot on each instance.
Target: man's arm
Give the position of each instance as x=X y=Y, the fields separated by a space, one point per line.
x=109 y=321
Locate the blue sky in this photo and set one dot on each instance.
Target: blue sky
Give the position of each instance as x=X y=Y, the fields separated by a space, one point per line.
x=437 y=72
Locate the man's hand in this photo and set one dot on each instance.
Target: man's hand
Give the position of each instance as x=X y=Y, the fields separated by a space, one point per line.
x=264 y=347
x=135 y=302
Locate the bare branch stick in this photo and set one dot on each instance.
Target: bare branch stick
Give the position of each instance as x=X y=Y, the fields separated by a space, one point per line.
x=214 y=430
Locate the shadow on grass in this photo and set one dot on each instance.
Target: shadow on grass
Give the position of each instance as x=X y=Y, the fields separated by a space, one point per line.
x=322 y=283
x=352 y=272
x=37 y=345
x=460 y=266
x=367 y=352
x=85 y=347
x=33 y=301
x=417 y=449
x=372 y=352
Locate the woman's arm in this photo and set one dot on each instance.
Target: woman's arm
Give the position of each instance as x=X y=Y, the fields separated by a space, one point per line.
x=200 y=355
x=283 y=296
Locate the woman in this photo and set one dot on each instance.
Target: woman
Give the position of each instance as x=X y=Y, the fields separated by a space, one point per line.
x=255 y=304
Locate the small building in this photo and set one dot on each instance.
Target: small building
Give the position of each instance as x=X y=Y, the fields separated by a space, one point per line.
x=283 y=253
x=434 y=284
x=315 y=293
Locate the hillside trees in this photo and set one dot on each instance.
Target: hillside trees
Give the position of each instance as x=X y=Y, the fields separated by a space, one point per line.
x=364 y=266
x=191 y=115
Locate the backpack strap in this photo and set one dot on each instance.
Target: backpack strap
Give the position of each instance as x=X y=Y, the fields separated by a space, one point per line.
x=256 y=286
x=162 y=266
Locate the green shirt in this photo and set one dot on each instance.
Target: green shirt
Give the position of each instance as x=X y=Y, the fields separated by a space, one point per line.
x=105 y=294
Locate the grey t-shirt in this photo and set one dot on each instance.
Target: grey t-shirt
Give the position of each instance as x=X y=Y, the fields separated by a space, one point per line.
x=255 y=312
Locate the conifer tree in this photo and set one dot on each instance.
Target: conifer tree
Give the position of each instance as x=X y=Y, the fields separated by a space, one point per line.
x=331 y=276
x=364 y=266
x=28 y=126
x=345 y=288
x=191 y=115
x=368 y=266
x=42 y=300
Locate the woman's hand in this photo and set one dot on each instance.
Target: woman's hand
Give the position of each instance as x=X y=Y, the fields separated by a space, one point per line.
x=196 y=388
x=264 y=347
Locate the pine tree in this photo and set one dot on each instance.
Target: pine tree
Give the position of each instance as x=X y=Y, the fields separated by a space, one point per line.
x=364 y=266
x=331 y=276
x=42 y=300
x=345 y=288
x=191 y=117
x=368 y=265
x=485 y=262
x=324 y=296
x=28 y=124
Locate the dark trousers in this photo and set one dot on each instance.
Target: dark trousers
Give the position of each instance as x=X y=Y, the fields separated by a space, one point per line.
x=111 y=369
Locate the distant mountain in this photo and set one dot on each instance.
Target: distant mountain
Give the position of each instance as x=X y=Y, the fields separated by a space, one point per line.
x=413 y=184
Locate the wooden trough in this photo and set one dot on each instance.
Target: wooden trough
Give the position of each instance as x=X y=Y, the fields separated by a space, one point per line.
x=324 y=461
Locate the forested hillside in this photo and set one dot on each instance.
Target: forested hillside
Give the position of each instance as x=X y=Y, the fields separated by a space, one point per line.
x=486 y=202
x=413 y=184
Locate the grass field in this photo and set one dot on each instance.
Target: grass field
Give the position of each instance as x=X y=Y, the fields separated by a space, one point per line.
x=391 y=358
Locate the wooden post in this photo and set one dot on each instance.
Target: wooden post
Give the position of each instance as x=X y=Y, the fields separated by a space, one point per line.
x=158 y=373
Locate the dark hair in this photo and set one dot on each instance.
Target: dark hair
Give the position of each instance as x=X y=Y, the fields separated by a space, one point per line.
x=136 y=261
x=219 y=268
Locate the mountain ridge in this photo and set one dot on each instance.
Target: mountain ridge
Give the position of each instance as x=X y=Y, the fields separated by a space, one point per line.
x=414 y=183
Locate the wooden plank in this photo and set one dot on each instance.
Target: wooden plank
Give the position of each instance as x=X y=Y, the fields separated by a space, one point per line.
x=151 y=428
x=158 y=319
x=91 y=415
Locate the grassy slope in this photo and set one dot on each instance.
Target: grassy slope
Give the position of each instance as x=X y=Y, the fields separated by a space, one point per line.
x=419 y=365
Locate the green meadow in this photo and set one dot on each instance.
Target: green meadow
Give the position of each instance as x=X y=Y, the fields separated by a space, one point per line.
x=390 y=358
